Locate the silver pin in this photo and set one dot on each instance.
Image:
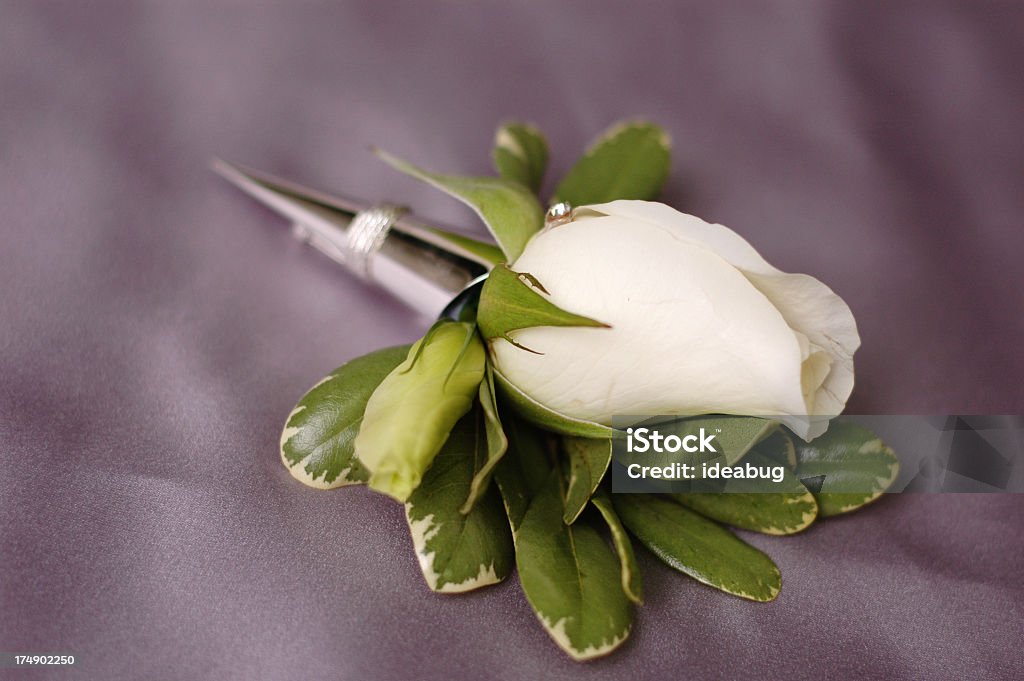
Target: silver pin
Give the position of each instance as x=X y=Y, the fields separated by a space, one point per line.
x=382 y=244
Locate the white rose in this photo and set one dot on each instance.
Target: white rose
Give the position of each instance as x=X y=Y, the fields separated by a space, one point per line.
x=700 y=324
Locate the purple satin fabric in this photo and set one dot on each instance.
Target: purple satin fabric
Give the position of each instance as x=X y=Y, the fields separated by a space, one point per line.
x=156 y=326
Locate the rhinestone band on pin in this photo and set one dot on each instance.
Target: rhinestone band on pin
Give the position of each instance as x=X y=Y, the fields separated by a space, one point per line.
x=366 y=233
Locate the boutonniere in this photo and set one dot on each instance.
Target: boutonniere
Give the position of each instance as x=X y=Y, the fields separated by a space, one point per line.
x=600 y=308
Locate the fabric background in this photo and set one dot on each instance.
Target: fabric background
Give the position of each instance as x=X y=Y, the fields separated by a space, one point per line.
x=156 y=326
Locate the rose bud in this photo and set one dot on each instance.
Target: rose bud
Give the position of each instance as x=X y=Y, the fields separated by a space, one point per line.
x=699 y=324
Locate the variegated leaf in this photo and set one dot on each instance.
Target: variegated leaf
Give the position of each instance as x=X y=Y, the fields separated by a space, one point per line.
x=572 y=578
x=851 y=466
x=698 y=547
x=459 y=551
x=521 y=154
x=632 y=583
x=497 y=441
x=317 y=440
x=588 y=461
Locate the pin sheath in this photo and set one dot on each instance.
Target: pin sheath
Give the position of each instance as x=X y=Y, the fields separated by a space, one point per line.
x=382 y=243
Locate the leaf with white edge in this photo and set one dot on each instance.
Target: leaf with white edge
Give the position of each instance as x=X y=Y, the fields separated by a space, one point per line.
x=511 y=300
x=630 y=160
x=522 y=473
x=317 y=440
x=856 y=465
x=477 y=251
x=698 y=547
x=779 y=447
x=632 y=583
x=769 y=507
x=509 y=209
x=588 y=461
x=549 y=419
x=459 y=551
x=497 y=442
x=520 y=154
x=572 y=578
x=409 y=415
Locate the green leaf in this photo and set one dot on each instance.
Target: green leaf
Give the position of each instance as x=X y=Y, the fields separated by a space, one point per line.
x=786 y=509
x=477 y=251
x=628 y=161
x=497 y=442
x=482 y=252
x=632 y=584
x=520 y=154
x=409 y=415
x=547 y=418
x=508 y=208
x=571 y=578
x=459 y=551
x=511 y=301
x=588 y=461
x=698 y=547
x=317 y=441
x=738 y=433
x=856 y=466
x=522 y=473
x=780 y=448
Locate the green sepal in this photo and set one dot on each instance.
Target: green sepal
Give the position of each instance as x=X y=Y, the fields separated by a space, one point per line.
x=545 y=417
x=630 y=160
x=317 y=440
x=769 y=507
x=512 y=300
x=632 y=583
x=851 y=465
x=698 y=547
x=509 y=209
x=409 y=415
x=496 y=441
x=459 y=551
x=588 y=460
x=521 y=154
x=572 y=578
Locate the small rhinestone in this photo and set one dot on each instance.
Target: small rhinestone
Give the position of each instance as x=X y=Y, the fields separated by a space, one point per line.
x=558 y=214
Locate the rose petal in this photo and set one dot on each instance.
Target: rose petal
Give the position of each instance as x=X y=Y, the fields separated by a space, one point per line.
x=690 y=333
x=808 y=306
